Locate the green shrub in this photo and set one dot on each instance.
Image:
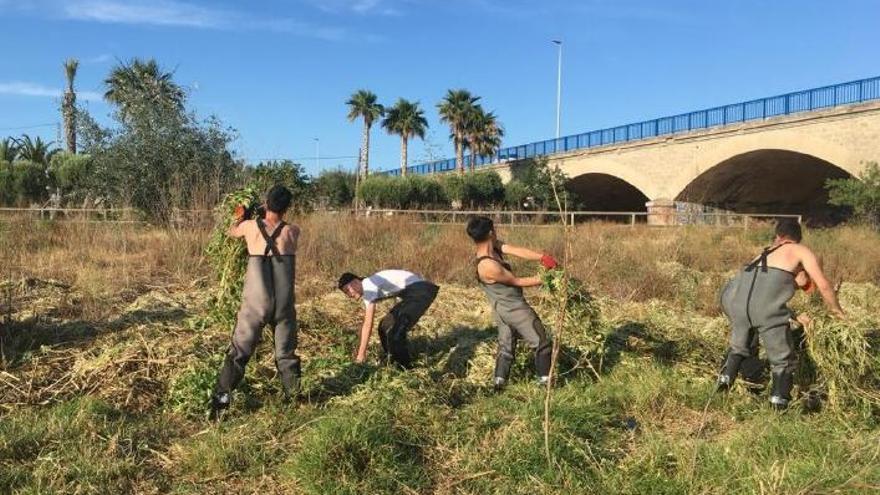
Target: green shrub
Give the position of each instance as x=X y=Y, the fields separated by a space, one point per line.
x=72 y=173
x=31 y=182
x=862 y=194
x=7 y=184
x=334 y=189
x=383 y=191
x=474 y=190
x=516 y=195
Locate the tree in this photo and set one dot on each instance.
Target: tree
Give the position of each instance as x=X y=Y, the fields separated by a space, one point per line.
x=35 y=150
x=68 y=104
x=140 y=85
x=8 y=150
x=456 y=108
x=363 y=104
x=160 y=157
x=406 y=120
x=286 y=173
x=334 y=188
x=483 y=134
x=536 y=183
x=862 y=194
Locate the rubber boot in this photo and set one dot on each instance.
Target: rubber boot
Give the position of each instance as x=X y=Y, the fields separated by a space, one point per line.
x=729 y=372
x=219 y=403
x=290 y=386
x=780 y=390
x=503 y=363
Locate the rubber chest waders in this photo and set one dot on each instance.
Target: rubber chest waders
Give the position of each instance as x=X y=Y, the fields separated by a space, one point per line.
x=267 y=299
x=515 y=319
x=755 y=302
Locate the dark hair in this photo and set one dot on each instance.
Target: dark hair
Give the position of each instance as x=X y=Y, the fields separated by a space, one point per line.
x=346 y=279
x=278 y=199
x=789 y=229
x=479 y=228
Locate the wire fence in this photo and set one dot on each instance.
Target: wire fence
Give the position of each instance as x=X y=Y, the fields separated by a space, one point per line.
x=181 y=218
x=809 y=100
x=551 y=218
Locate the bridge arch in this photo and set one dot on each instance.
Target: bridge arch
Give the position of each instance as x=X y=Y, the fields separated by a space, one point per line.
x=769 y=180
x=594 y=191
x=615 y=181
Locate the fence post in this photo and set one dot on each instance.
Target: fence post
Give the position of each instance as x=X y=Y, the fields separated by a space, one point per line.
x=572 y=220
x=746 y=222
x=632 y=220
x=511 y=219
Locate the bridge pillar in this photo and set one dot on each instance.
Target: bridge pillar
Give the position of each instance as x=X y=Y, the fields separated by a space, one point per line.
x=661 y=212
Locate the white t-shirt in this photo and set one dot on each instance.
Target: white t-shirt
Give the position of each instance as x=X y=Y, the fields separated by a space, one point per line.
x=387 y=283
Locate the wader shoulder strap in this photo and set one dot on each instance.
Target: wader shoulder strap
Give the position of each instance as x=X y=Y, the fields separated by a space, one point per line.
x=271 y=247
x=762 y=259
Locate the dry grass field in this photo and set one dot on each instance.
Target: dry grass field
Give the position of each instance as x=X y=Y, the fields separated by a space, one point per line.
x=108 y=357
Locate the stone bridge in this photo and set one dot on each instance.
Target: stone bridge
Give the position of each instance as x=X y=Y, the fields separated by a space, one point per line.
x=777 y=165
x=770 y=155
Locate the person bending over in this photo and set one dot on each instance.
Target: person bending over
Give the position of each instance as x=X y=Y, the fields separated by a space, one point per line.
x=416 y=295
x=267 y=298
x=514 y=317
x=756 y=300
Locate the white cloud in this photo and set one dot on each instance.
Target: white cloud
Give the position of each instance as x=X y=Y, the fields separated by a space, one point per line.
x=20 y=88
x=99 y=59
x=172 y=13
x=363 y=7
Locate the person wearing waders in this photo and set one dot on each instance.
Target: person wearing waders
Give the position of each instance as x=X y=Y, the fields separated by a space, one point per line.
x=267 y=298
x=416 y=295
x=755 y=302
x=514 y=317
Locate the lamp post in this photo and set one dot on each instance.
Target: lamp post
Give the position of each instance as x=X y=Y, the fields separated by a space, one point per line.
x=558 y=44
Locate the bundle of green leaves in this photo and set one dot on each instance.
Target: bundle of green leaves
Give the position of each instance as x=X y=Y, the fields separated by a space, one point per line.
x=582 y=322
x=228 y=257
x=848 y=369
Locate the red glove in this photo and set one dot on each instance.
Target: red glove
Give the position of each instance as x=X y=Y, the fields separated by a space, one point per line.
x=549 y=262
x=239 y=213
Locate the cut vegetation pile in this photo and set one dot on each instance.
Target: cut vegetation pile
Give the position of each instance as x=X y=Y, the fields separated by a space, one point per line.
x=116 y=404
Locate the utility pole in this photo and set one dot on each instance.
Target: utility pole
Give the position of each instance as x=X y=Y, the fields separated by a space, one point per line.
x=558 y=44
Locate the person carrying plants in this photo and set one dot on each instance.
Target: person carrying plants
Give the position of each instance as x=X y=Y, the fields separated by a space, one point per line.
x=267 y=296
x=514 y=317
x=755 y=302
x=416 y=296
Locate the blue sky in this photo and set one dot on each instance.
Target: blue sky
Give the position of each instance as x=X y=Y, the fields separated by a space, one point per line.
x=280 y=71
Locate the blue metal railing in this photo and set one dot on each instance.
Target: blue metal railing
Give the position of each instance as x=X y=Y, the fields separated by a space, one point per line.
x=800 y=101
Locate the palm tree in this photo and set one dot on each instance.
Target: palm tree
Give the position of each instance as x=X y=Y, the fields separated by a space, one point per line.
x=68 y=104
x=483 y=134
x=8 y=150
x=142 y=83
x=35 y=150
x=455 y=109
x=406 y=120
x=363 y=104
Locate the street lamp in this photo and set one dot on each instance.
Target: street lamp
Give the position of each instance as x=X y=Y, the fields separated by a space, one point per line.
x=558 y=43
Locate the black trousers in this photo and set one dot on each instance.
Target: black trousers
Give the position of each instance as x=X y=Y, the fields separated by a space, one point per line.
x=393 y=327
